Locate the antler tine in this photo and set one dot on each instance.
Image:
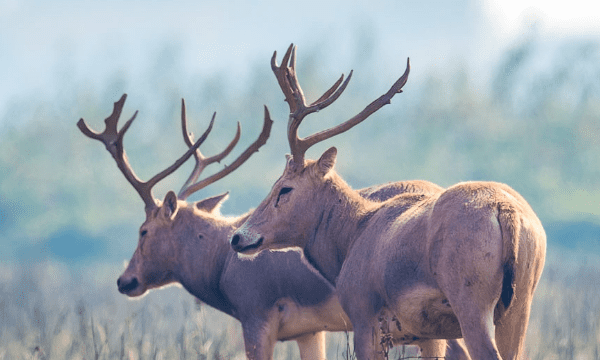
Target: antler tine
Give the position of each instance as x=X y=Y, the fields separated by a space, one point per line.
x=283 y=77
x=188 y=139
x=288 y=81
x=218 y=157
x=113 y=141
x=332 y=89
x=290 y=58
x=301 y=145
x=202 y=162
x=364 y=114
x=110 y=134
x=262 y=139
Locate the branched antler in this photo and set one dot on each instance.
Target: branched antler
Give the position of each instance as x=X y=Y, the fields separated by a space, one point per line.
x=113 y=140
x=288 y=82
x=191 y=185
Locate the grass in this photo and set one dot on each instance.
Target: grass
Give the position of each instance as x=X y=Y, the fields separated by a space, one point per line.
x=46 y=312
x=565 y=318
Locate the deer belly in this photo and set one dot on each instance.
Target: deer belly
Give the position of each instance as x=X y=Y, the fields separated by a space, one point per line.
x=422 y=312
x=296 y=320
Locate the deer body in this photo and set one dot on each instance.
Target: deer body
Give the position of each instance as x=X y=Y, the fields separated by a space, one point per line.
x=460 y=262
x=277 y=296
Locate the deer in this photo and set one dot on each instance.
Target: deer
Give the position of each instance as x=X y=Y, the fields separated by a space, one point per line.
x=277 y=296
x=461 y=263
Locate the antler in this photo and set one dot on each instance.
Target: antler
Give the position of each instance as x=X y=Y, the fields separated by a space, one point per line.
x=286 y=77
x=191 y=186
x=113 y=140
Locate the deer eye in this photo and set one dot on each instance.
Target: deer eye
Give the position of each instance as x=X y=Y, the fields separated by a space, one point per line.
x=143 y=233
x=283 y=191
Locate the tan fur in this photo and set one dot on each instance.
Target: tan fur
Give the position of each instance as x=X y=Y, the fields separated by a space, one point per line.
x=171 y=251
x=461 y=262
x=187 y=243
x=312 y=346
x=435 y=265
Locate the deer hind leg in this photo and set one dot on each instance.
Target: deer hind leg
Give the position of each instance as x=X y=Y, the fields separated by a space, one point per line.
x=433 y=349
x=312 y=346
x=511 y=329
x=478 y=331
x=367 y=341
x=473 y=299
x=469 y=271
x=473 y=293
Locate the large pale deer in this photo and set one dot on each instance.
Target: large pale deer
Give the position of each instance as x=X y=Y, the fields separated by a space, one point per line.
x=462 y=262
x=276 y=295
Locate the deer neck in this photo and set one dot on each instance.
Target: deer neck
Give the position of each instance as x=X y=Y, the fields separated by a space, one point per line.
x=344 y=215
x=202 y=262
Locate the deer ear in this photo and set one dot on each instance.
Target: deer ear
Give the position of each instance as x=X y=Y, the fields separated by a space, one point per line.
x=212 y=203
x=327 y=160
x=169 y=206
x=290 y=165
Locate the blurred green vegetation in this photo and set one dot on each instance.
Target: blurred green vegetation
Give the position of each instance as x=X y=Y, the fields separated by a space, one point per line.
x=536 y=128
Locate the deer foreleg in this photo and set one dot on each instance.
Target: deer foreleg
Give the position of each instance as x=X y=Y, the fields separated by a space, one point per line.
x=312 y=346
x=367 y=342
x=457 y=350
x=259 y=341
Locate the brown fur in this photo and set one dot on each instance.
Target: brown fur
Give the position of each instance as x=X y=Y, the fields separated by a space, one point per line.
x=276 y=295
x=187 y=243
x=461 y=262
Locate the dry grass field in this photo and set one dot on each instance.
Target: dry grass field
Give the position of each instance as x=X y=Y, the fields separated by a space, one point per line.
x=46 y=312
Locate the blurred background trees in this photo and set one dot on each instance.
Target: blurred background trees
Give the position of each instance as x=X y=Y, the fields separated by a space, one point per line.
x=536 y=127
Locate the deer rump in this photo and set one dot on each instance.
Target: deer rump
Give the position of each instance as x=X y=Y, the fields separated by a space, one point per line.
x=417 y=252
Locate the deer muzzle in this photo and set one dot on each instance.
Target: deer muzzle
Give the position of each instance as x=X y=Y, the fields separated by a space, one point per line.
x=246 y=243
x=128 y=285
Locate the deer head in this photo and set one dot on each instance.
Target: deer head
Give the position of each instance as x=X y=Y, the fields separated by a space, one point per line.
x=295 y=201
x=169 y=222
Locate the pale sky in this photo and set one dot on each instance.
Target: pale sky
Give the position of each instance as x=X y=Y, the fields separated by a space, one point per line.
x=40 y=41
x=554 y=18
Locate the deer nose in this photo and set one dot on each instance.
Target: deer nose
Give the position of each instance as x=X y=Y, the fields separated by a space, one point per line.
x=127 y=285
x=235 y=240
x=242 y=244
